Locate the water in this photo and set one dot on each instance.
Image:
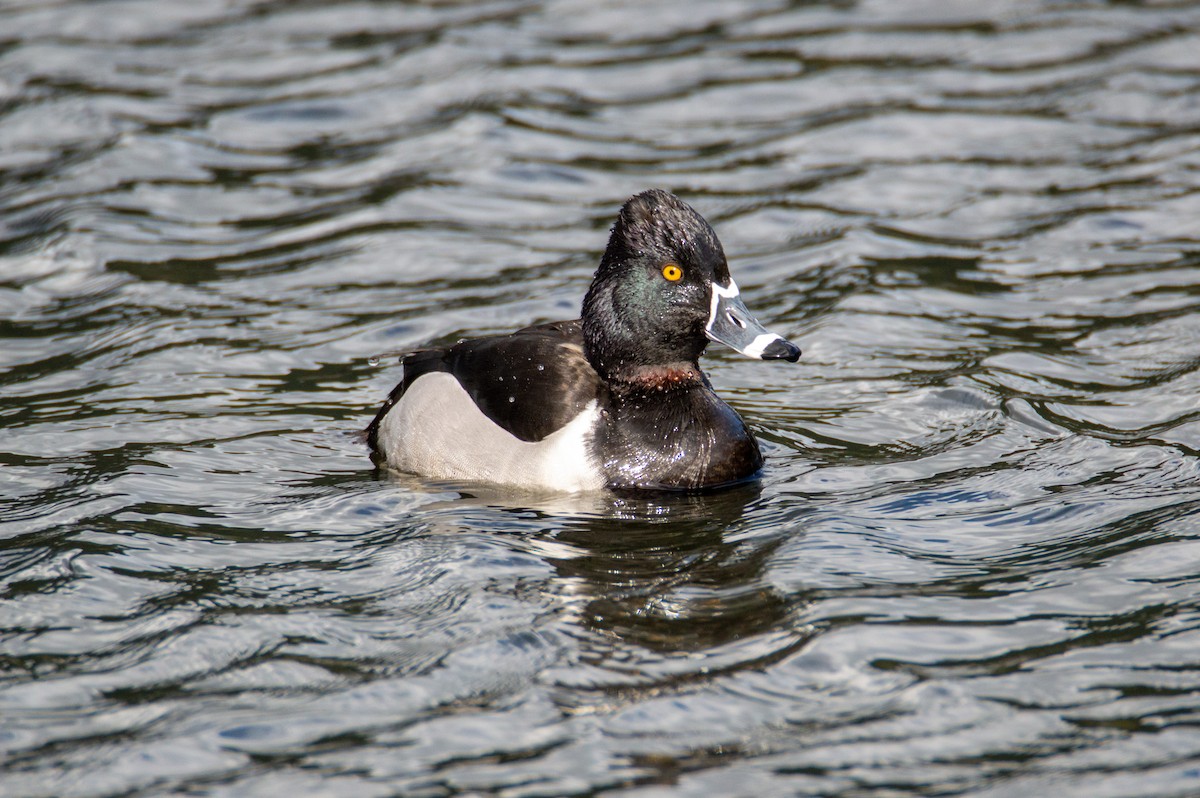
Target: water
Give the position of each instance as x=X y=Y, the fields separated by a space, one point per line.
x=970 y=567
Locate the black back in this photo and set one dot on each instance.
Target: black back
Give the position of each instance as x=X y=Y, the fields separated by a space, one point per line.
x=531 y=382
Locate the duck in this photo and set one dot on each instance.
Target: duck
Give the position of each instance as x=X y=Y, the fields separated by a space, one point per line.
x=614 y=400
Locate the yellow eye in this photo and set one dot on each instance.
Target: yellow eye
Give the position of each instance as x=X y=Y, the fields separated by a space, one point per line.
x=672 y=272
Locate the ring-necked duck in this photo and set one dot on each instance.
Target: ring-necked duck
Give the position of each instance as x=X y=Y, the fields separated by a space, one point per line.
x=615 y=399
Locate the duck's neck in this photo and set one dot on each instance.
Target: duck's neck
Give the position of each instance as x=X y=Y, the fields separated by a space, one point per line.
x=656 y=379
x=623 y=358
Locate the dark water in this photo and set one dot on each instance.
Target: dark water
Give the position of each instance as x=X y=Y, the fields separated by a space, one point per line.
x=971 y=567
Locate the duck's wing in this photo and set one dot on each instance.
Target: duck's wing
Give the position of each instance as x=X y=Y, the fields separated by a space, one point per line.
x=530 y=383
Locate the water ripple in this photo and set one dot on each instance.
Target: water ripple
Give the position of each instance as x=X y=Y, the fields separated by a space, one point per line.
x=968 y=568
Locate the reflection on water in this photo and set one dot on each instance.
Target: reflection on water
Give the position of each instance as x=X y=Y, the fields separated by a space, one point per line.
x=664 y=578
x=969 y=568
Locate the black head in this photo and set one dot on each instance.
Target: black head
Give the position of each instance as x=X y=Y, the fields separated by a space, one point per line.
x=663 y=290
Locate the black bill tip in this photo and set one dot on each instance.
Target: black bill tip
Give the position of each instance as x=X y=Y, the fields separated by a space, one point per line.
x=779 y=349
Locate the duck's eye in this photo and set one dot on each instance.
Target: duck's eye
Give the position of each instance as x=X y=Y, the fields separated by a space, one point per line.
x=672 y=272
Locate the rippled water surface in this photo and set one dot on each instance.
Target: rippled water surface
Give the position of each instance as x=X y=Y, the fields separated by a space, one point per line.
x=971 y=566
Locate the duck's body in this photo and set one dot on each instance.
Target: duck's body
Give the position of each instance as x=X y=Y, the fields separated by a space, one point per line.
x=613 y=400
x=527 y=409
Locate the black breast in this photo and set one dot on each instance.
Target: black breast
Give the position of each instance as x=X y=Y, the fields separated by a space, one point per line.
x=680 y=439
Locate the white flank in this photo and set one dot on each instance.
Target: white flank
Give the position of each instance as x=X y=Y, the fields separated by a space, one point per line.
x=436 y=430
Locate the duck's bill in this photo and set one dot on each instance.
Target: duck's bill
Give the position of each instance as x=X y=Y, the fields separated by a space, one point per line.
x=731 y=323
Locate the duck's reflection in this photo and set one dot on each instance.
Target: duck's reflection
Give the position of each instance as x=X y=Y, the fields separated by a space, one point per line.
x=670 y=573
x=674 y=573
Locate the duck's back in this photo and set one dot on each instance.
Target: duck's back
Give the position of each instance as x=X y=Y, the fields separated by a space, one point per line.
x=515 y=409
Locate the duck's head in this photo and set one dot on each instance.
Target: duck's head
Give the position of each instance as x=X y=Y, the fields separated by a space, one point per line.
x=663 y=291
